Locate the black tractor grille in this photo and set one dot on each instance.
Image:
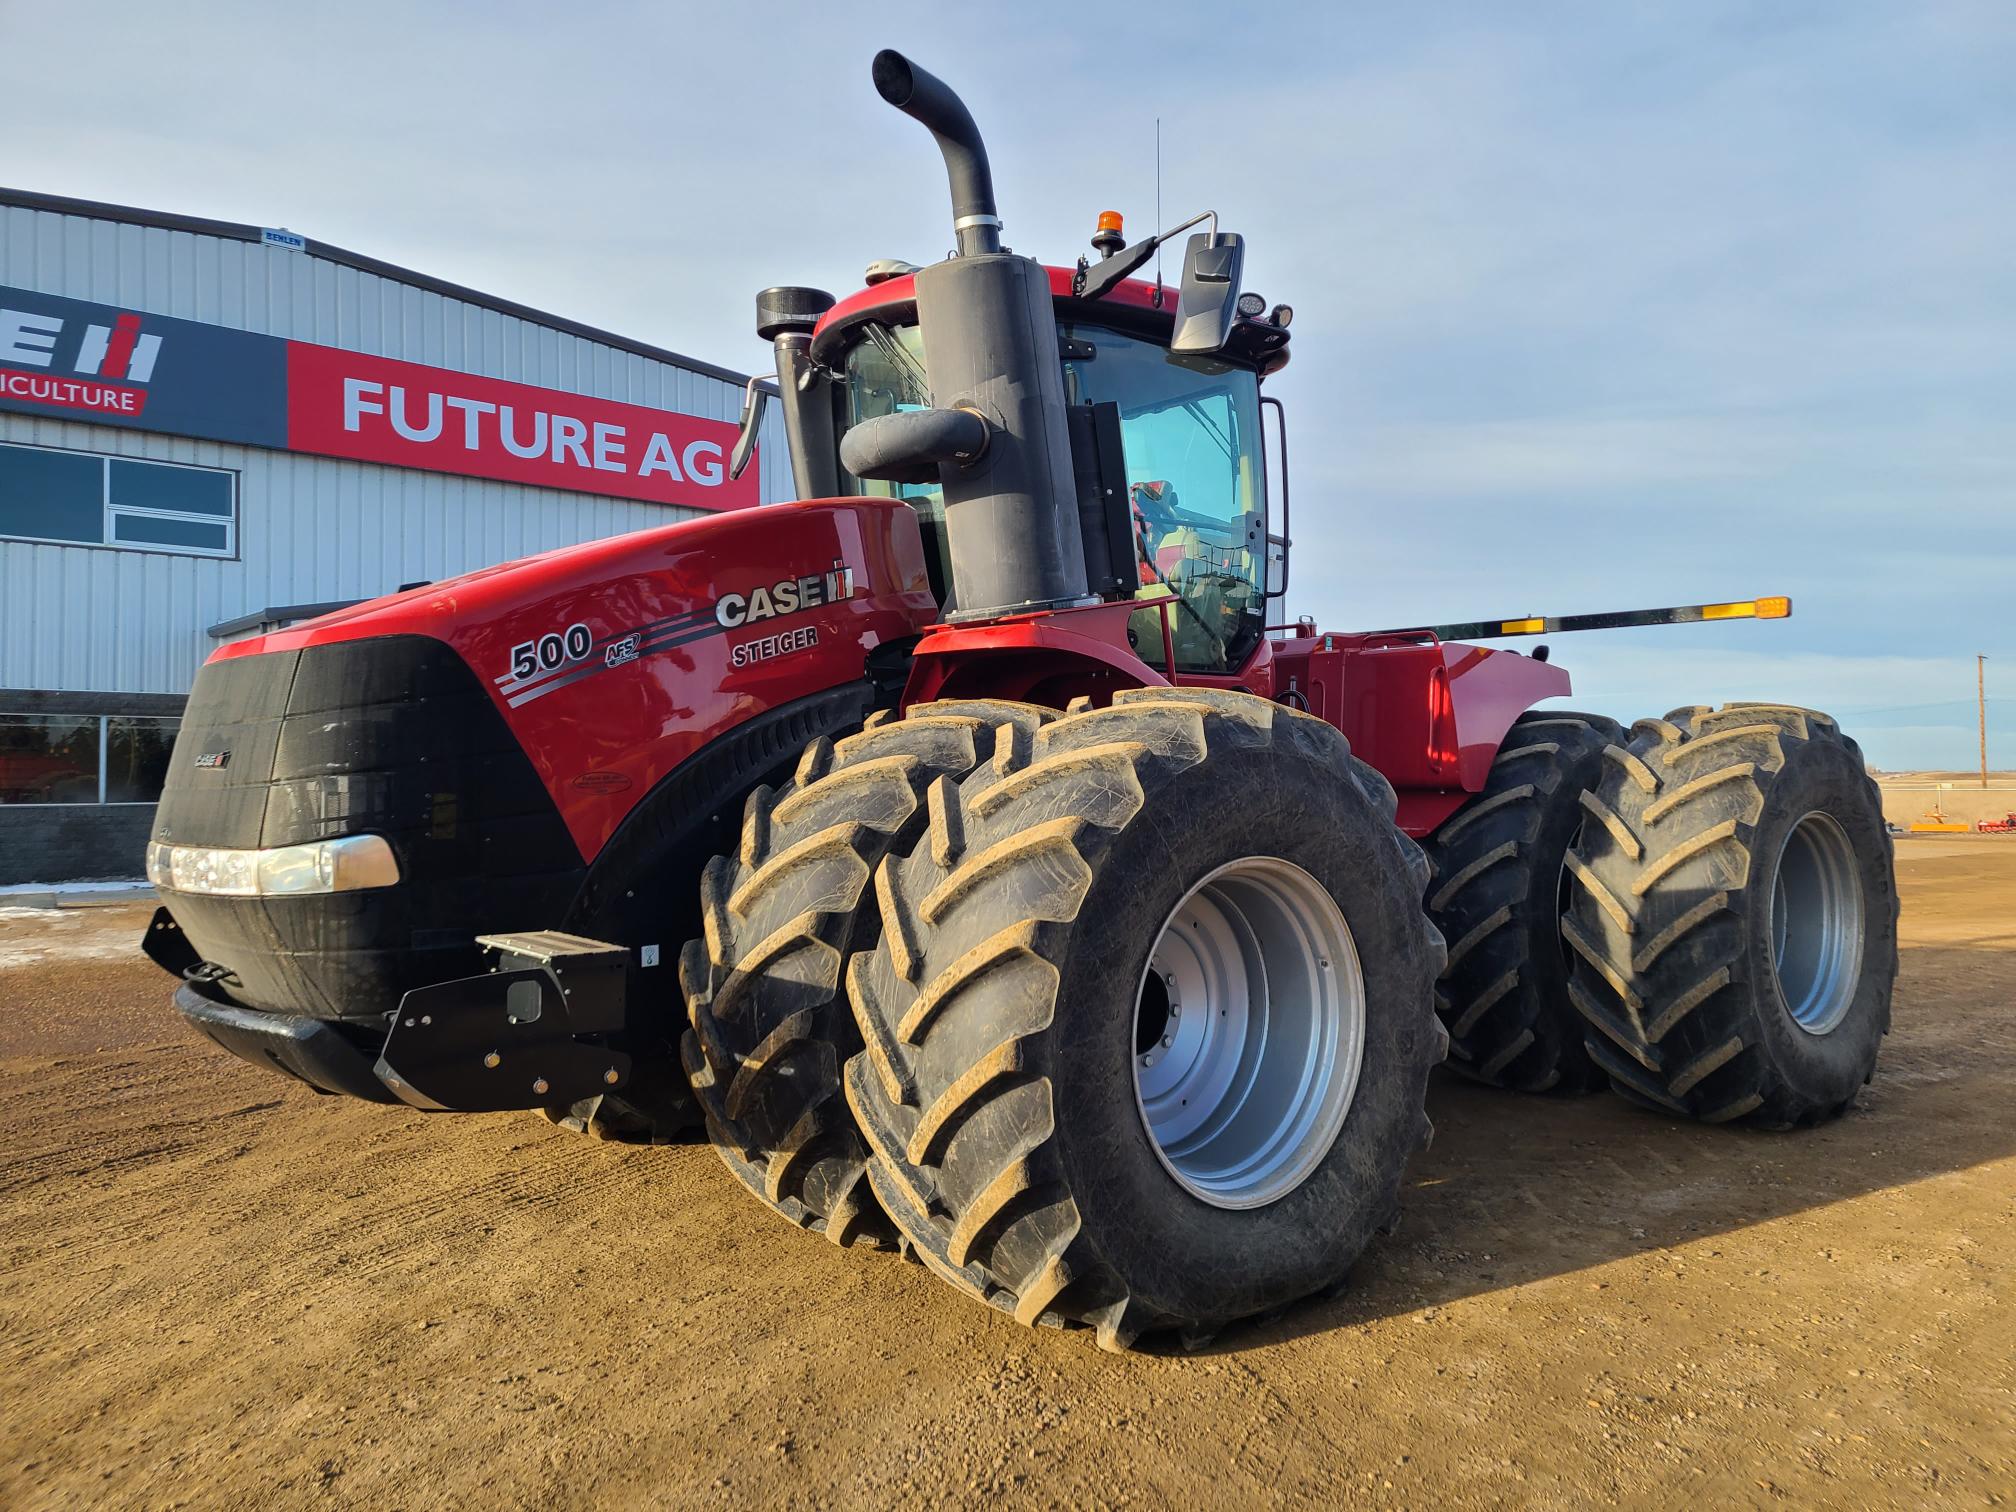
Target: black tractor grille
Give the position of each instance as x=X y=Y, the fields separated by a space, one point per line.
x=390 y=736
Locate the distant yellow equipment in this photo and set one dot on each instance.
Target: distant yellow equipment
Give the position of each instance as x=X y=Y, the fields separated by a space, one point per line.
x=1936 y=823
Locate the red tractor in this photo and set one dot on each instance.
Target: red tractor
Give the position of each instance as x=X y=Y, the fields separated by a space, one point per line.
x=1036 y=905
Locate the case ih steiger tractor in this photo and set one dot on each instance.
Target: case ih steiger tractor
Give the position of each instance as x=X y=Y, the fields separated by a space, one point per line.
x=1035 y=906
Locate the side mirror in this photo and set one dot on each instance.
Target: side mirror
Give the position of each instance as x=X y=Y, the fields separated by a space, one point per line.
x=1207 y=305
x=754 y=398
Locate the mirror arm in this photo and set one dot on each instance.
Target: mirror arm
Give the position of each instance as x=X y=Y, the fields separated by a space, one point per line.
x=1202 y=215
x=1099 y=279
x=754 y=398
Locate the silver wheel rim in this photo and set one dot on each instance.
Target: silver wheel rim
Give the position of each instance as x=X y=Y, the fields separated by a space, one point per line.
x=1249 y=1025
x=1816 y=923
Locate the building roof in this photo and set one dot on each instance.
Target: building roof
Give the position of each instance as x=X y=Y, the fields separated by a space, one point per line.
x=60 y=204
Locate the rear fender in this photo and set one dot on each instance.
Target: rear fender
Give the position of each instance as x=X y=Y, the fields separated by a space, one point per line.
x=1429 y=715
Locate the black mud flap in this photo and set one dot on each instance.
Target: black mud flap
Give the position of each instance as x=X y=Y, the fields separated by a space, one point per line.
x=167 y=947
x=530 y=1033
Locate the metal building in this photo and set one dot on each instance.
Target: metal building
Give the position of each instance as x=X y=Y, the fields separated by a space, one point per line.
x=208 y=429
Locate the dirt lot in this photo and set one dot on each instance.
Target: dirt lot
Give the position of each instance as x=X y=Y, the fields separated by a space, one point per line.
x=221 y=1289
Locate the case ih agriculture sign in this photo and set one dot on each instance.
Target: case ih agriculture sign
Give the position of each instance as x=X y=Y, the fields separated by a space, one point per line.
x=148 y=372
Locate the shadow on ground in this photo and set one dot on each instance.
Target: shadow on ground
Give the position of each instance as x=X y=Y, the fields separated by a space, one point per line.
x=1610 y=1180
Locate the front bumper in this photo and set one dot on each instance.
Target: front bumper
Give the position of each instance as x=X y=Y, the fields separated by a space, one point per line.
x=329 y=1057
x=544 y=1027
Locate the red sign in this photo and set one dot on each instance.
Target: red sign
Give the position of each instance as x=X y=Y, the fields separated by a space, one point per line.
x=375 y=409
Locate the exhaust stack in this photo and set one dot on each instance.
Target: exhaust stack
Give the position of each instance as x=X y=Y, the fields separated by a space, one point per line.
x=925 y=98
x=990 y=349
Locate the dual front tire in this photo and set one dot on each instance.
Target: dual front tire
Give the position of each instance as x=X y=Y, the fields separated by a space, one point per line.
x=1067 y=1147
x=768 y=1026
x=1036 y=1124
x=1734 y=919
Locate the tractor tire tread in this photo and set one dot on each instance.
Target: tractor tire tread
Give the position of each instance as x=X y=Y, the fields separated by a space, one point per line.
x=954 y=1096
x=1495 y=895
x=768 y=1028
x=1662 y=969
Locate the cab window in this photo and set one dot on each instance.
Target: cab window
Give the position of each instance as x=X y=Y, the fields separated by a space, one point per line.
x=884 y=373
x=1191 y=430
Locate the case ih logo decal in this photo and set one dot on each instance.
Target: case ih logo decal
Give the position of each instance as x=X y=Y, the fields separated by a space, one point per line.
x=32 y=339
x=567 y=655
x=185 y=378
x=786 y=596
x=213 y=761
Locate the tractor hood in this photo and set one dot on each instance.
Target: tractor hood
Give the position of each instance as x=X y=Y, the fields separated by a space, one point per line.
x=614 y=661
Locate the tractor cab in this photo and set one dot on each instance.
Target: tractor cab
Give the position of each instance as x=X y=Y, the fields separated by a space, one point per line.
x=1192 y=542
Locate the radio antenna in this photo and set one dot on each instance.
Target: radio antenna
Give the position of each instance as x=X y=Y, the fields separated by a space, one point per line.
x=1158 y=210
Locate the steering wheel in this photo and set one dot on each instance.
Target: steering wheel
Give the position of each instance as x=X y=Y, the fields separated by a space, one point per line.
x=1155 y=502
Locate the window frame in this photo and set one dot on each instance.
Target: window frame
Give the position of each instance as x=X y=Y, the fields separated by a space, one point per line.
x=109 y=512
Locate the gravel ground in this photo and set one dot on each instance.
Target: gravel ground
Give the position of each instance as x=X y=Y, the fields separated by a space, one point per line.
x=221 y=1289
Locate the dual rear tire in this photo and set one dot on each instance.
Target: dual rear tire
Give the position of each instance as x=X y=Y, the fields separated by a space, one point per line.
x=1734 y=921
x=1497 y=894
x=1700 y=913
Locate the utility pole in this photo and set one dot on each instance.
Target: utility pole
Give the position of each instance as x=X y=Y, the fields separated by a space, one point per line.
x=1981 y=709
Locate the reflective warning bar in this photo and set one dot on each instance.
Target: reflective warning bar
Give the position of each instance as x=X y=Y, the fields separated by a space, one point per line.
x=1776 y=607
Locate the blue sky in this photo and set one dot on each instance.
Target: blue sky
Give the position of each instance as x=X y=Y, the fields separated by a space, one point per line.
x=1597 y=306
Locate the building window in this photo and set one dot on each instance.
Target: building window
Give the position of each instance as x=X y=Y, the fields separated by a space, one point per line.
x=84 y=499
x=136 y=757
x=84 y=758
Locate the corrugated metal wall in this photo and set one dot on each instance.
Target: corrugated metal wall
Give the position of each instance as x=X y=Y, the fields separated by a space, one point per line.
x=89 y=619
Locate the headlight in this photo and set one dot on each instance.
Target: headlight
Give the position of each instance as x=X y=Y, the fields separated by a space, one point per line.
x=323 y=866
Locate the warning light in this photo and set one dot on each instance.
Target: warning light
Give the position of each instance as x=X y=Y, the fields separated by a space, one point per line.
x=1763 y=608
x=1109 y=237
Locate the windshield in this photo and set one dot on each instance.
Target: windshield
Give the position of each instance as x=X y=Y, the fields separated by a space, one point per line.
x=1190 y=428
